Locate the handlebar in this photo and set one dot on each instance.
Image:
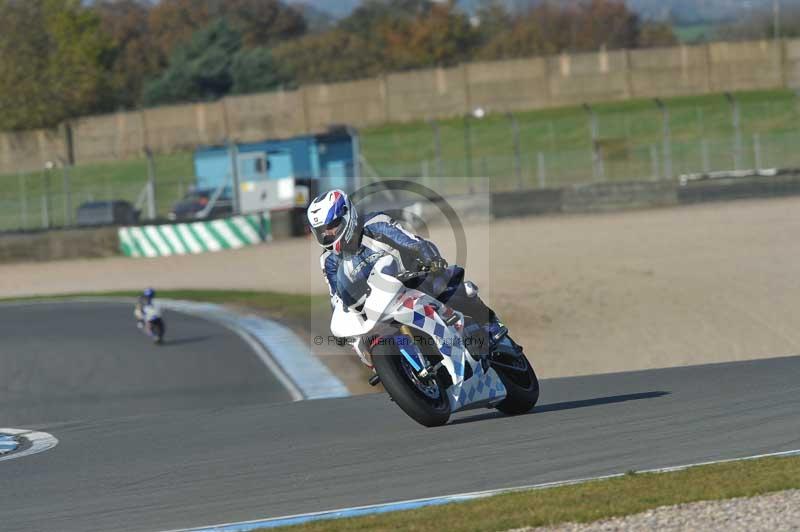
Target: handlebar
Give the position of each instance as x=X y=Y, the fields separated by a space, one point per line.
x=407 y=276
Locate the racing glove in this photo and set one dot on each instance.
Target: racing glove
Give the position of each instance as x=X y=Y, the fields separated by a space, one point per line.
x=433 y=265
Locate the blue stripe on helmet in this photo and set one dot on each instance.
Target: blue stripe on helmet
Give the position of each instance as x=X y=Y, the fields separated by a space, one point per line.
x=336 y=211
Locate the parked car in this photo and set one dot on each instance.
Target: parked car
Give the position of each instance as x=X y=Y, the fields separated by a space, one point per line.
x=195 y=205
x=114 y=212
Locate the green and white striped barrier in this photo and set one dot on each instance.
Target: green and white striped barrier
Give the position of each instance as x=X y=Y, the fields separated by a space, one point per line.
x=195 y=237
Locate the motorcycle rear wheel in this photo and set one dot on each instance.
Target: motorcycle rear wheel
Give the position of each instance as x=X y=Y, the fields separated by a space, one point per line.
x=157 y=329
x=425 y=402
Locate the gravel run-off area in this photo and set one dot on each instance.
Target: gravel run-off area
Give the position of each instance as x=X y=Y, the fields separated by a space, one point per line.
x=584 y=294
x=776 y=512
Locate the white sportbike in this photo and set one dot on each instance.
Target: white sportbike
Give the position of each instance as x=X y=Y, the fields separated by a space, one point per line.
x=150 y=321
x=430 y=358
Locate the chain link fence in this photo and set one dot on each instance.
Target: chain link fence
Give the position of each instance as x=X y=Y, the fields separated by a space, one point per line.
x=545 y=149
x=648 y=141
x=55 y=197
x=551 y=169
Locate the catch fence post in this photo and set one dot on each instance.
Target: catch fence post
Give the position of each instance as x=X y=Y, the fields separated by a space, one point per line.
x=542 y=169
x=468 y=145
x=233 y=150
x=598 y=170
x=46 y=197
x=151 y=184
x=654 y=165
x=24 y=197
x=45 y=213
x=67 y=195
x=517 y=149
x=757 y=150
x=736 y=119
x=437 y=147
x=667 y=133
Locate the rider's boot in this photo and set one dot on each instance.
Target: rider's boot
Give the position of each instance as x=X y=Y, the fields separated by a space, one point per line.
x=497 y=331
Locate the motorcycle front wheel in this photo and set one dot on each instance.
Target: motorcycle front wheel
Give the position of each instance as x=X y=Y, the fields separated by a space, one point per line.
x=424 y=401
x=521 y=383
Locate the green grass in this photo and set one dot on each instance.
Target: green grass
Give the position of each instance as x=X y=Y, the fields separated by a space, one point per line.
x=278 y=305
x=555 y=149
x=87 y=182
x=586 y=502
x=631 y=136
x=694 y=33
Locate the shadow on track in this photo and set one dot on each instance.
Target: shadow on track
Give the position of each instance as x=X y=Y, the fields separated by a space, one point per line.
x=183 y=341
x=568 y=405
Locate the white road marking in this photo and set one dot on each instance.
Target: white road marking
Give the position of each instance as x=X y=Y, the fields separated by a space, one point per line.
x=358 y=511
x=39 y=442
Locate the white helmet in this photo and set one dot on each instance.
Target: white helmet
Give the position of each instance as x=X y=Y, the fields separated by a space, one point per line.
x=333 y=220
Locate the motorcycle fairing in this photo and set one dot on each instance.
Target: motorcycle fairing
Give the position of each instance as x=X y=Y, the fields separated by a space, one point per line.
x=422 y=312
x=482 y=389
x=389 y=299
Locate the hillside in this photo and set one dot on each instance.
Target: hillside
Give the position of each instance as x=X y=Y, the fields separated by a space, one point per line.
x=680 y=11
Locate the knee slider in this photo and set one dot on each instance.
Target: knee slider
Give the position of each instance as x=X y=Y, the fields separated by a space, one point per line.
x=471 y=289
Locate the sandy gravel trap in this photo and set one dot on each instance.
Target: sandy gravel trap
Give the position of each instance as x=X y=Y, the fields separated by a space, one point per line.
x=768 y=513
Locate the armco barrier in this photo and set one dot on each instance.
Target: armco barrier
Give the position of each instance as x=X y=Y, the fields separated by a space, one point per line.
x=62 y=244
x=608 y=197
x=604 y=197
x=731 y=189
x=526 y=203
x=195 y=237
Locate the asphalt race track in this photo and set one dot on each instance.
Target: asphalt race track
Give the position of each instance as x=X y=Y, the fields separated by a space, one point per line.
x=70 y=361
x=197 y=432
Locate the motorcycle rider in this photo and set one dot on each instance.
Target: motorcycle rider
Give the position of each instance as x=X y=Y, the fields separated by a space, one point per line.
x=144 y=306
x=347 y=239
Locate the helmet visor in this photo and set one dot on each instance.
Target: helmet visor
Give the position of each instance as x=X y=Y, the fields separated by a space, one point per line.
x=327 y=234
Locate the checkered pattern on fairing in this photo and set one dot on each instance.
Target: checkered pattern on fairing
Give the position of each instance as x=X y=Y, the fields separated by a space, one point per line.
x=481 y=387
x=418 y=311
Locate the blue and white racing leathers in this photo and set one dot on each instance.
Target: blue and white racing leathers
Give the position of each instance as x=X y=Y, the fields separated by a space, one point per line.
x=380 y=235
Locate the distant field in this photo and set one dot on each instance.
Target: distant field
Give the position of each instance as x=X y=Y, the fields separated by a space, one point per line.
x=559 y=141
x=694 y=33
x=21 y=197
x=555 y=148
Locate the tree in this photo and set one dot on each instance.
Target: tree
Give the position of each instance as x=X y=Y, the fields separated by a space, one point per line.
x=260 y=22
x=545 y=29
x=551 y=28
x=606 y=23
x=213 y=64
x=53 y=60
x=199 y=70
x=493 y=19
x=439 y=37
x=173 y=22
x=523 y=40
x=368 y=19
x=255 y=70
x=656 y=34
x=134 y=58
x=328 y=57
